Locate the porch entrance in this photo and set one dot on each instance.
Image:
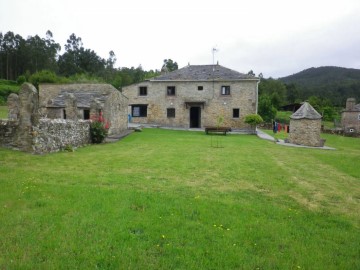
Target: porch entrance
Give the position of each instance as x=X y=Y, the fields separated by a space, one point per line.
x=195 y=117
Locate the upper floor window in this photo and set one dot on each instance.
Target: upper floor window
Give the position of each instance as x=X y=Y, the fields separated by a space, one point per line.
x=170 y=91
x=225 y=90
x=143 y=91
x=200 y=88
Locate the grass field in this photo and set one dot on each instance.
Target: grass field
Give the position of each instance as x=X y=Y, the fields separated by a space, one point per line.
x=164 y=199
x=3 y=112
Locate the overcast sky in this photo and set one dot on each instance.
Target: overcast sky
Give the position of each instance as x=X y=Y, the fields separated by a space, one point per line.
x=274 y=37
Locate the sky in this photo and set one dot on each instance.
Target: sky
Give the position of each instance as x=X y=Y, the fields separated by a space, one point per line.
x=274 y=37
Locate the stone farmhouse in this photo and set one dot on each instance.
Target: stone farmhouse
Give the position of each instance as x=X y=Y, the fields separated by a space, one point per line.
x=84 y=101
x=350 y=117
x=195 y=96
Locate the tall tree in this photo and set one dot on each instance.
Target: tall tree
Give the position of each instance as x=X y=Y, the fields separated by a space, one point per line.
x=170 y=65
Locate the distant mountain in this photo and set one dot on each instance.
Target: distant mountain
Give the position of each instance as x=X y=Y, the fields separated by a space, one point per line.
x=334 y=83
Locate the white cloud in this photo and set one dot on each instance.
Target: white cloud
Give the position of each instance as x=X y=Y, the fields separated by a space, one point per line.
x=276 y=38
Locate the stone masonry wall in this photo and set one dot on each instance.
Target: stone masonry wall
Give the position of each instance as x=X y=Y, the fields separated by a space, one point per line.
x=243 y=96
x=351 y=120
x=305 y=132
x=8 y=130
x=52 y=135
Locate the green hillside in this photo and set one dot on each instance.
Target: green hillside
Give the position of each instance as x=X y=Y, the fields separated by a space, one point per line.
x=333 y=83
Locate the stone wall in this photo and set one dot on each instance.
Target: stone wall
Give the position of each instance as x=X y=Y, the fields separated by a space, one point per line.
x=243 y=97
x=8 y=130
x=305 y=132
x=350 y=121
x=52 y=135
x=115 y=111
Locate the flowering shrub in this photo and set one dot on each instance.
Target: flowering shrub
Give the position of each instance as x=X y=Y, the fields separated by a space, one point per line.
x=98 y=129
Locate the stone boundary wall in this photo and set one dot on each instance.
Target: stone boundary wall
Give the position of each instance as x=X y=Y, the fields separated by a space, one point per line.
x=8 y=130
x=52 y=135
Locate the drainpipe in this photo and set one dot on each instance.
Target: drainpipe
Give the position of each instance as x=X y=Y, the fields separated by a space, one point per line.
x=257 y=96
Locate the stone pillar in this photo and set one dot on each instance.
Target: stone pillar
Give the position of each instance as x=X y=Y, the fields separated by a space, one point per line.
x=13 y=106
x=71 y=107
x=95 y=107
x=28 y=116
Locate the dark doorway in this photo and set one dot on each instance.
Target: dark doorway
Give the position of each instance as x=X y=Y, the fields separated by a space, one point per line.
x=195 y=117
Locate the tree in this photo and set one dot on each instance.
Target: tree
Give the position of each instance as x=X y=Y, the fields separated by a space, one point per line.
x=253 y=120
x=170 y=65
x=266 y=108
x=275 y=89
x=251 y=73
x=76 y=59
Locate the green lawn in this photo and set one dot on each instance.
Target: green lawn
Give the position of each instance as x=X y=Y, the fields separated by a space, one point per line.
x=164 y=199
x=3 y=112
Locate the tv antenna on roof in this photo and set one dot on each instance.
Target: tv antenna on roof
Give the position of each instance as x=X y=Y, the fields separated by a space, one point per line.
x=214 y=50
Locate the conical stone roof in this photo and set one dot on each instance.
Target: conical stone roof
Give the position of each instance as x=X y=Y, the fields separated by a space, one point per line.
x=306 y=111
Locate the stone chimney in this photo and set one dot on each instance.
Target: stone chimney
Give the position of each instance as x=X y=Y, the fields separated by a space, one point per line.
x=350 y=104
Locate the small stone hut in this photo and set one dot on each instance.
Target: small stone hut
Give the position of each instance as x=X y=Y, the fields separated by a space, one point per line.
x=305 y=126
x=84 y=101
x=350 y=117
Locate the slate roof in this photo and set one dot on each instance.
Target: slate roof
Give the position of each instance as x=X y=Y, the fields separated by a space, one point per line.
x=306 y=111
x=83 y=99
x=203 y=73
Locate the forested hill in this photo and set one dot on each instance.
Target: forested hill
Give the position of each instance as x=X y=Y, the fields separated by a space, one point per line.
x=334 y=83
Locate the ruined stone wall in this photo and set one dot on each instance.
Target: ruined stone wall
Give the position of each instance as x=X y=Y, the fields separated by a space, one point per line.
x=243 y=97
x=33 y=134
x=52 y=135
x=305 y=132
x=115 y=111
x=8 y=130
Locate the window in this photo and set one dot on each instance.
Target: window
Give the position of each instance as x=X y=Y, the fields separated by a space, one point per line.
x=171 y=113
x=200 y=88
x=236 y=113
x=86 y=114
x=64 y=114
x=139 y=110
x=143 y=91
x=359 y=117
x=225 y=90
x=170 y=91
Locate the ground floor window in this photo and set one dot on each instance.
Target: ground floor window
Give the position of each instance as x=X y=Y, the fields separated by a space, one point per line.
x=236 y=113
x=359 y=117
x=86 y=114
x=139 y=110
x=171 y=112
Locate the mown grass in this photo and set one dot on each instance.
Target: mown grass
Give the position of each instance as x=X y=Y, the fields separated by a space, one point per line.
x=163 y=199
x=3 y=112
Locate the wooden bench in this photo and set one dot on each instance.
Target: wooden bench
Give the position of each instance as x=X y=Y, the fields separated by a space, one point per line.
x=223 y=130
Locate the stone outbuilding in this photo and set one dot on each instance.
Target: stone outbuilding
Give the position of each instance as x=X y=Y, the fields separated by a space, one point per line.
x=350 y=117
x=305 y=127
x=84 y=101
x=195 y=96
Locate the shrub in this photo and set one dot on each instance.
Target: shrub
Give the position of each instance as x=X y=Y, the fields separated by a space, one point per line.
x=21 y=79
x=98 y=129
x=253 y=119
